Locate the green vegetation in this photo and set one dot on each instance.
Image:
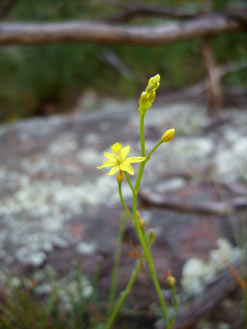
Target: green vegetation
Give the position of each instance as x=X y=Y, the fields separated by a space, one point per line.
x=38 y=80
x=22 y=307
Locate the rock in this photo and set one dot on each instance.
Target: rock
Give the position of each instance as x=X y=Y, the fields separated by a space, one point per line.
x=55 y=204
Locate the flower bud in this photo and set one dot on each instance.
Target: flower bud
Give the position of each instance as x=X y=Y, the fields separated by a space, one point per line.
x=171 y=280
x=143 y=98
x=140 y=219
x=151 y=98
x=168 y=135
x=151 y=236
x=120 y=177
x=153 y=83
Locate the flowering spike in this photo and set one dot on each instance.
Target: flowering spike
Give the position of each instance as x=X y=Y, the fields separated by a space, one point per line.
x=148 y=96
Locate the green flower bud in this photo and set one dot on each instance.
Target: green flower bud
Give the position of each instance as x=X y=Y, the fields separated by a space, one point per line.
x=153 y=83
x=151 y=98
x=143 y=98
x=171 y=280
x=140 y=219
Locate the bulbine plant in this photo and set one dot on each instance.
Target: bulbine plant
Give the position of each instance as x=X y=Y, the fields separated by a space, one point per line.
x=121 y=164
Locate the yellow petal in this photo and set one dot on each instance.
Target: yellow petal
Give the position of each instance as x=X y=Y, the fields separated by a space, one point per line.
x=125 y=151
x=113 y=171
x=134 y=159
x=107 y=163
x=127 y=167
x=110 y=156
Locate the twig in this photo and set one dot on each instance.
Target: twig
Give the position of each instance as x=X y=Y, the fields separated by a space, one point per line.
x=214 y=91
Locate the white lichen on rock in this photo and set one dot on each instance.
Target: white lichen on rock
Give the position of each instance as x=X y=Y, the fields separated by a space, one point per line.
x=196 y=273
x=55 y=178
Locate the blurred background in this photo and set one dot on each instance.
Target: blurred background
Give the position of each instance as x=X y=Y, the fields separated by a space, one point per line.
x=46 y=79
x=63 y=103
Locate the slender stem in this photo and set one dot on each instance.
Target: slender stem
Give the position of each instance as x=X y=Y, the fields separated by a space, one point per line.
x=150 y=263
x=129 y=182
x=175 y=305
x=139 y=231
x=142 y=165
x=116 y=262
x=153 y=149
x=143 y=152
x=124 y=295
x=142 y=139
x=149 y=260
x=123 y=202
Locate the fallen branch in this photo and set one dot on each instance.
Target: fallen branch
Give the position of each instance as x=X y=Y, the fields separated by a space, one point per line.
x=221 y=208
x=40 y=33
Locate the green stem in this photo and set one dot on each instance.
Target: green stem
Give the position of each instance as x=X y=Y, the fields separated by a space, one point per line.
x=142 y=165
x=116 y=262
x=150 y=263
x=124 y=295
x=149 y=260
x=153 y=149
x=175 y=305
x=139 y=231
x=129 y=182
x=143 y=152
x=142 y=139
x=123 y=202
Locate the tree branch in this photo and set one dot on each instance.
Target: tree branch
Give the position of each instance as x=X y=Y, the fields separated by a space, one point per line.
x=73 y=31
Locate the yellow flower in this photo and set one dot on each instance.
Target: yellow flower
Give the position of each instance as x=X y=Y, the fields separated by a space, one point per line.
x=118 y=160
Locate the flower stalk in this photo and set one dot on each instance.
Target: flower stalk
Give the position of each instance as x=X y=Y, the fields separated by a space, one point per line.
x=119 y=162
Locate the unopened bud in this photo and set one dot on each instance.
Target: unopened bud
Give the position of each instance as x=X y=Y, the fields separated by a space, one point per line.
x=168 y=135
x=153 y=83
x=120 y=177
x=151 y=97
x=140 y=219
x=171 y=280
x=143 y=98
x=151 y=236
